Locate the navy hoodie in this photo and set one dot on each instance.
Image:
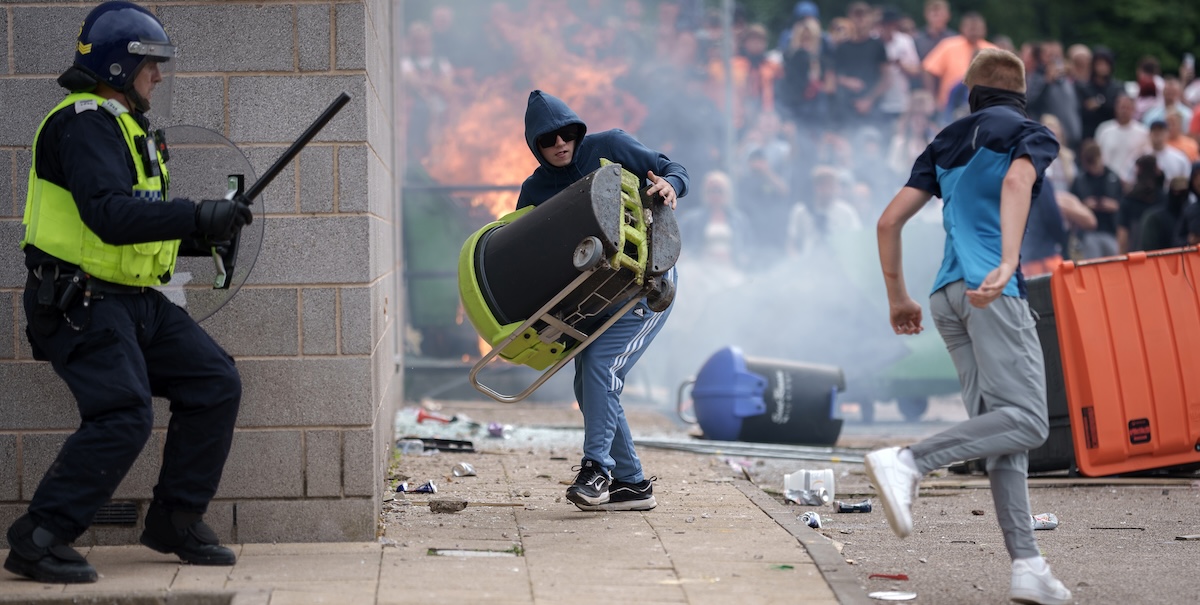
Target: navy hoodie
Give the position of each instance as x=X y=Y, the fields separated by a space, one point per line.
x=546 y=113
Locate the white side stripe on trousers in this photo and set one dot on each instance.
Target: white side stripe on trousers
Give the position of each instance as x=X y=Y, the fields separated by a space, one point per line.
x=634 y=345
x=638 y=340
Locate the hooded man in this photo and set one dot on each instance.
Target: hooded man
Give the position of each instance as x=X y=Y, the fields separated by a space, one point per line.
x=1098 y=94
x=610 y=475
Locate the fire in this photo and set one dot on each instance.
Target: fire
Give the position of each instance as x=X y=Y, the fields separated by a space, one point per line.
x=483 y=140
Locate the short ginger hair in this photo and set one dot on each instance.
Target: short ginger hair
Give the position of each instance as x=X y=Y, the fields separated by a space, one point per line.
x=998 y=69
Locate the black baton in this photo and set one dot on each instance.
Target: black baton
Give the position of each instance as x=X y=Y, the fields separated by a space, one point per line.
x=225 y=255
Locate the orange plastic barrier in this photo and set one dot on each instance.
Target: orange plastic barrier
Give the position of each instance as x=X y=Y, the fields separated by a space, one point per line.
x=1129 y=329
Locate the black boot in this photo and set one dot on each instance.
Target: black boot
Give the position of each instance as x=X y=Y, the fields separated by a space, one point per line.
x=36 y=553
x=186 y=535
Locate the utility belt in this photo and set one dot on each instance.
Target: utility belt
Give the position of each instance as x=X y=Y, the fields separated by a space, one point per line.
x=59 y=287
x=67 y=282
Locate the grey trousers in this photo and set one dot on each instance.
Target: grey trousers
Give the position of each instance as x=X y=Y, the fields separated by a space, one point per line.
x=998 y=357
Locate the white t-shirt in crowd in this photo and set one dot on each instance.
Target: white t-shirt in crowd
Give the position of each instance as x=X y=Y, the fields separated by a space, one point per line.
x=901 y=50
x=1120 y=146
x=1172 y=162
x=1191 y=94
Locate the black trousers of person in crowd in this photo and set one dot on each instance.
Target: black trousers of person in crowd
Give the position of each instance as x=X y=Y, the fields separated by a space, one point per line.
x=114 y=354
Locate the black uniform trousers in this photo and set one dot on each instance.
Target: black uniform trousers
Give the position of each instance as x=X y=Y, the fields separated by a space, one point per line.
x=127 y=348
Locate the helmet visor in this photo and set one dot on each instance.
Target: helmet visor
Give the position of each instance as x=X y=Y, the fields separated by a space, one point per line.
x=156 y=50
x=158 y=87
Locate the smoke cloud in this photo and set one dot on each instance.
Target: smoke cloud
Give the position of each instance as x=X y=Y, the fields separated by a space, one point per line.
x=780 y=287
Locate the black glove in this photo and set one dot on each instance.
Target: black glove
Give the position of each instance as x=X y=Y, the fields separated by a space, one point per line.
x=217 y=220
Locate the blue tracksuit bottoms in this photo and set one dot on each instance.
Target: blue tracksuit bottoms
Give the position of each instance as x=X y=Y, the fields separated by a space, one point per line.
x=600 y=371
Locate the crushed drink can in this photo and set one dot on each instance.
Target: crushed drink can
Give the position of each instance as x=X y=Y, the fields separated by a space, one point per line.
x=463 y=469
x=809 y=487
x=852 y=507
x=811 y=519
x=807 y=497
x=427 y=488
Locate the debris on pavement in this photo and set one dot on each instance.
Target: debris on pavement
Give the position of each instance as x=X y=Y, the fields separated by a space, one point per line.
x=463 y=469
x=892 y=595
x=757 y=450
x=447 y=506
x=427 y=488
x=809 y=487
x=978 y=512
x=423 y=415
x=852 y=507
x=811 y=519
x=1188 y=537
x=888 y=576
x=410 y=446
x=1045 y=521
x=500 y=431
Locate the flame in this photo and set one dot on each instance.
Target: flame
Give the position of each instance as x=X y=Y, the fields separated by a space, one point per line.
x=482 y=345
x=483 y=140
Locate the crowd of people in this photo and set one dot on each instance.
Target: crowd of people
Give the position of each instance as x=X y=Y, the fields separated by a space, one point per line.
x=830 y=113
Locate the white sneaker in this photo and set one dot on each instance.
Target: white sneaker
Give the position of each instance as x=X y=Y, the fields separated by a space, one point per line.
x=1034 y=588
x=896 y=482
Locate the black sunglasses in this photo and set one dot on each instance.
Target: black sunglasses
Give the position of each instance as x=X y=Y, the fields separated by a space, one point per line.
x=568 y=134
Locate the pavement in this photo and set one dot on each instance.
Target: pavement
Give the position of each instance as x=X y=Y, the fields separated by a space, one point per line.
x=714 y=538
x=721 y=532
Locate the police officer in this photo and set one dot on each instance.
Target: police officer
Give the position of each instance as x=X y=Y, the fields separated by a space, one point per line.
x=100 y=231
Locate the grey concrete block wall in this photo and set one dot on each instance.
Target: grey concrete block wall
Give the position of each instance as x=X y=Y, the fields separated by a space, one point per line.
x=34 y=31
x=9 y=324
x=10 y=482
x=21 y=117
x=231 y=37
x=312 y=330
x=320 y=325
x=312 y=22
x=12 y=275
x=8 y=192
x=322 y=463
x=317 y=179
x=4 y=47
x=306 y=520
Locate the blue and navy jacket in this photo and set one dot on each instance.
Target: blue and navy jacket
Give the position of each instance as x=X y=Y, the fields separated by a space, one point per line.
x=546 y=113
x=965 y=165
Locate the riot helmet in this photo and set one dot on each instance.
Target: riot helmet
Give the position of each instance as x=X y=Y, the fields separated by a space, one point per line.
x=117 y=42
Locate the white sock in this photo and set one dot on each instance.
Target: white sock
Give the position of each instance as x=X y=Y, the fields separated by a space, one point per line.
x=906 y=456
x=1037 y=564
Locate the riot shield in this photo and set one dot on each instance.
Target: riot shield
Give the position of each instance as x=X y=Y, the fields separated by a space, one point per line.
x=204 y=165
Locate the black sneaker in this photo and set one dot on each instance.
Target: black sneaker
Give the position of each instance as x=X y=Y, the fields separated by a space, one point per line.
x=591 y=485
x=627 y=496
x=37 y=554
x=185 y=535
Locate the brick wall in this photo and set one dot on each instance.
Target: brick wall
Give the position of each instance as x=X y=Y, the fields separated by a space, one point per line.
x=313 y=328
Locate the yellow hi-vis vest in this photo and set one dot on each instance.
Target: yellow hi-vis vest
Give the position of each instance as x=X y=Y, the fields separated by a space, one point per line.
x=52 y=221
